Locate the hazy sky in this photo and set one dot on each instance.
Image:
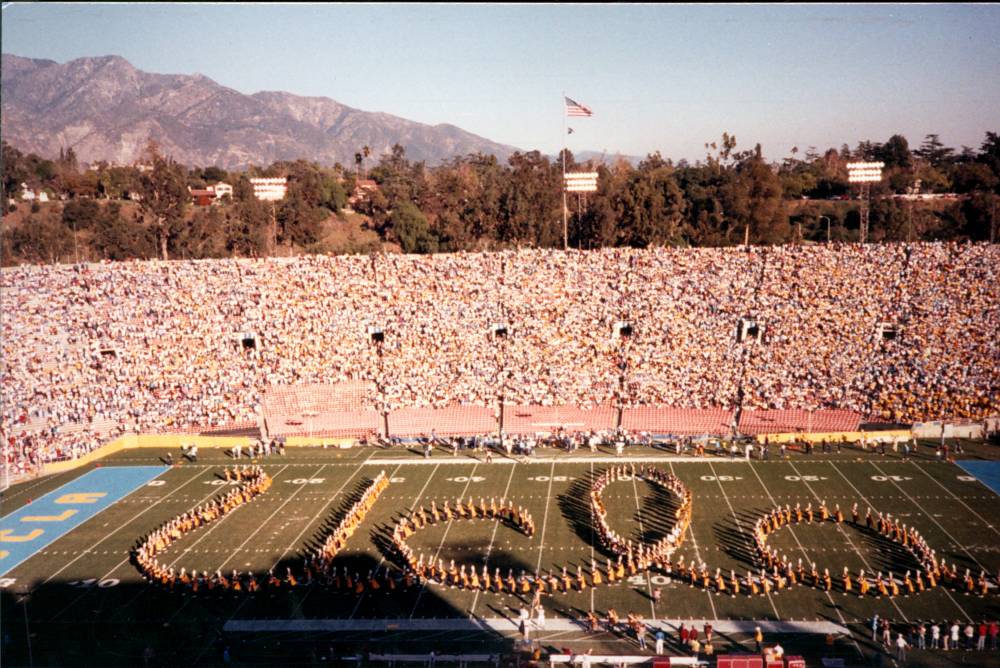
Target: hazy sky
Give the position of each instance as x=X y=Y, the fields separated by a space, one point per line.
x=667 y=78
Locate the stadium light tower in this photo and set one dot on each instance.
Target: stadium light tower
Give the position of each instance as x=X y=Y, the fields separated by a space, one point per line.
x=864 y=173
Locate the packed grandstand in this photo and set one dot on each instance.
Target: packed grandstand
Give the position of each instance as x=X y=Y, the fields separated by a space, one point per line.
x=901 y=332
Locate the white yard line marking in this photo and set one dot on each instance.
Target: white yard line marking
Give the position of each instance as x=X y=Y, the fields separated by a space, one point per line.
x=592 y=562
x=423 y=585
x=122 y=526
x=869 y=503
x=232 y=555
x=739 y=526
x=122 y=563
x=958 y=498
x=697 y=554
x=489 y=550
x=642 y=531
x=836 y=607
x=301 y=602
x=381 y=561
x=843 y=533
x=296 y=540
x=545 y=519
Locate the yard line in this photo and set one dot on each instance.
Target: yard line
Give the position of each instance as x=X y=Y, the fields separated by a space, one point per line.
x=957 y=498
x=122 y=563
x=592 y=562
x=122 y=526
x=697 y=554
x=545 y=519
x=863 y=498
x=638 y=511
x=739 y=526
x=304 y=529
x=848 y=539
x=381 y=561
x=914 y=501
x=496 y=525
x=836 y=607
x=232 y=555
x=412 y=506
x=269 y=518
x=301 y=602
x=423 y=586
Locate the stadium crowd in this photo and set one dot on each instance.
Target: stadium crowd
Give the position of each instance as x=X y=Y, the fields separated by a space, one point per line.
x=152 y=346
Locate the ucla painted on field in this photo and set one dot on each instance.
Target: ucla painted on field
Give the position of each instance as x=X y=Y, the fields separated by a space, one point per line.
x=38 y=524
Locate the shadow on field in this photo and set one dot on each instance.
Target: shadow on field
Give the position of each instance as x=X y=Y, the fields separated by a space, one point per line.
x=574 y=505
x=733 y=534
x=656 y=513
x=119 y=623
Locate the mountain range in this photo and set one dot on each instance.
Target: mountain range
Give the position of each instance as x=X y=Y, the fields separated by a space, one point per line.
x=105 y=109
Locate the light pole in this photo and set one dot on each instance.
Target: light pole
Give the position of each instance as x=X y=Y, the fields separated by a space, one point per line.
x=864 y=173
x=827 y=227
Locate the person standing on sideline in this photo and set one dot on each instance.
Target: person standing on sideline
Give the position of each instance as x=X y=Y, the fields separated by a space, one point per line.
x=935 y=636
x=659 y=642
x=981 y=638
x=922 y=636
x=758 y=639
x=901 y=646
x=875 y=627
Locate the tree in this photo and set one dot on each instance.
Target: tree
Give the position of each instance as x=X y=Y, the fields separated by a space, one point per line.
x=116 y=238
x=80 y=214
x=164 y=195
x=531 y=204
x=934 y=152
x=652 y=207
x=989 y=152
x=246 y=227
x=973 y=177
x=411 y=228
x=896 y=152
x=204 y=235
x=14 y=171
x=298 y=222
x=214 y=174
x=38 y=240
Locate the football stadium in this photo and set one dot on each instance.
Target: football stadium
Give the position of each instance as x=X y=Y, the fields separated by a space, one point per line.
x=716 y=456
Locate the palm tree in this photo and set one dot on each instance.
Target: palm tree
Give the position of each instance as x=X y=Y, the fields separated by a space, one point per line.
x=366 y=151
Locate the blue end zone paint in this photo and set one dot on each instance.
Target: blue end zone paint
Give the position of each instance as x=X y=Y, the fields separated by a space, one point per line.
x=35 y=526
x=987 y=473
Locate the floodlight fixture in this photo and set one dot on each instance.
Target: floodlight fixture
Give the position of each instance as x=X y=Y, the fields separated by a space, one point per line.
x=864 y=173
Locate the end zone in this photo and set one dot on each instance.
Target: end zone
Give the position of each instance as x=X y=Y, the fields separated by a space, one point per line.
x=35 y=526
x=986 y=472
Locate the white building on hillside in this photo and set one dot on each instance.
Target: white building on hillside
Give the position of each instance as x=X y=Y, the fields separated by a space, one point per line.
x=221 y=190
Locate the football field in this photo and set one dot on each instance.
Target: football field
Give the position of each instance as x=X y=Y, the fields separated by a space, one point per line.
x=79 y=600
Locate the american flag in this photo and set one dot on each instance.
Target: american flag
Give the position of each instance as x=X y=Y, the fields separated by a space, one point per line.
x=576 y=109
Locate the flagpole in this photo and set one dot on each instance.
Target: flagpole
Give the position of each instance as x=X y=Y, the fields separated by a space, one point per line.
x=565 y=224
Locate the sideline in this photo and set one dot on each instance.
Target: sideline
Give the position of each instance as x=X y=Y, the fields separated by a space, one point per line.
x=504 y=625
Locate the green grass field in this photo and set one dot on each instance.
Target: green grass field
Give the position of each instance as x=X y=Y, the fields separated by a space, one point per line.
x=81 y=602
